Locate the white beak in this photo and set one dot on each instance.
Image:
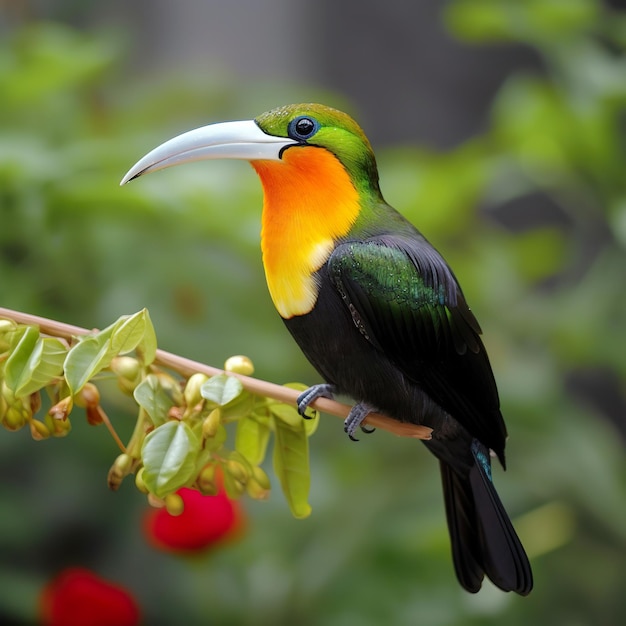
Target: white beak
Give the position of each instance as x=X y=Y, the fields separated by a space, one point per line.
x=228 y=140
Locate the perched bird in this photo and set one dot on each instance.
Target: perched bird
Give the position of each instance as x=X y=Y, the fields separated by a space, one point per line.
x=375 y=309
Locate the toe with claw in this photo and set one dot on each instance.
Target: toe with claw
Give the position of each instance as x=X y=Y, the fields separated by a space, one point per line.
x=308 y=396
x=355 y=418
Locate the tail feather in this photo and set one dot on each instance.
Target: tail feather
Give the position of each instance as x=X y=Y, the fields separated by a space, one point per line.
x=482 y=536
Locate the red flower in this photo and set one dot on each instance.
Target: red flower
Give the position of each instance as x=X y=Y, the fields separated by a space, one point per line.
x=77 y=597
x=204 y=522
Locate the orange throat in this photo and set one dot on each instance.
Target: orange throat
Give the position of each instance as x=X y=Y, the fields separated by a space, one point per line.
x=309 y=203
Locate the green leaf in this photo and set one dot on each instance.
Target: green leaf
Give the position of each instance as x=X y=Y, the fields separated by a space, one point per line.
x=151 y=396
x=312 y=421
x=148 y=345
x=240 y=407
x=95 y=352
x=34 y=363
x=169 y=457
x=287 y=414
x=252 y=437
x=88 y=357
x=47 y=366
x=19 y=366
x=291 y=465
x=128 y=332
x=221 y=389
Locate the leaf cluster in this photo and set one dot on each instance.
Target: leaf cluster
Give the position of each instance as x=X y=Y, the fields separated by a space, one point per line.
x=180 y=436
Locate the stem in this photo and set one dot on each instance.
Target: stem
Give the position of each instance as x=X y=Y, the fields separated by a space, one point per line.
x=107 y=422
x=253 y=385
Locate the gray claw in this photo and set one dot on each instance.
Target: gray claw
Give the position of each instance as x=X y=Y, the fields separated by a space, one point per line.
x=355 y=418
x=311 y=394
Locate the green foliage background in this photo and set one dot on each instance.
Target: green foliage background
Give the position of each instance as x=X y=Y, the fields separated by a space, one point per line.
x=184 y=243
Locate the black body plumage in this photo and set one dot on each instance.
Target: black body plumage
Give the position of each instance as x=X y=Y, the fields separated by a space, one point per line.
x=391 y=329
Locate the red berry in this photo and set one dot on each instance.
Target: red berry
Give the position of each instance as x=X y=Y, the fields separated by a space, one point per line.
x=77 y=597
x=204 y=522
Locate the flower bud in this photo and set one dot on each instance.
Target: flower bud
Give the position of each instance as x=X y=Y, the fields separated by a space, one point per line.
x=174 y=504
x=256 y=491
x=94 y=415
x=15 y=416
x=39 y=430
x=128 y=372
x=121 y=467
x=239 y=365
x=206 y=480
x=234 y=487
x=87 y=396
x=211 y=424
x=238 y=471
x=61 y=409
x=192 y=389
x=58 y=427
x=7 y=326
x=261 y=477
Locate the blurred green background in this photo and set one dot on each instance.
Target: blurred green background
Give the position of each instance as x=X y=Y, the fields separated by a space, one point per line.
x=529 y=208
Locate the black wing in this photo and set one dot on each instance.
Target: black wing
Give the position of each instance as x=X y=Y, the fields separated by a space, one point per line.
x=405 y=300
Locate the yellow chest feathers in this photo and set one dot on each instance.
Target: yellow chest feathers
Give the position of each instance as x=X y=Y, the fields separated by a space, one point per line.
x=309 y=203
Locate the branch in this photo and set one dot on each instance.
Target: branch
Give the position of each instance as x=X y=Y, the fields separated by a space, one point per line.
x=253 y=385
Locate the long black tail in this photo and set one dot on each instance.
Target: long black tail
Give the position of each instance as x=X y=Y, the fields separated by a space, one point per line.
x=483 y=539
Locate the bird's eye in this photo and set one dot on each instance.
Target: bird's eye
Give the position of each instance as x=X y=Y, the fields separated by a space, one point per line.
x=303 y=127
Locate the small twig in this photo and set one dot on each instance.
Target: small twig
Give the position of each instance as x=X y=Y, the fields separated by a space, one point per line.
x=254 y=385
x=107 y=422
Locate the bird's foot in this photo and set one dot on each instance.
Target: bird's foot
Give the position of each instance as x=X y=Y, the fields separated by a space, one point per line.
x=355 y=418
x=310 y=395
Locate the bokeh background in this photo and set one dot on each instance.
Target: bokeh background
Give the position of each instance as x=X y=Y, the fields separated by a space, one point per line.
x=499 y=127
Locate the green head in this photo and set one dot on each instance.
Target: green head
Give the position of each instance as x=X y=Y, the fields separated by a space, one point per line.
x=325 y=127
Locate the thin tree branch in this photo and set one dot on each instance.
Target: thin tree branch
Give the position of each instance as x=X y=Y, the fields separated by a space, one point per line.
x=253 y=385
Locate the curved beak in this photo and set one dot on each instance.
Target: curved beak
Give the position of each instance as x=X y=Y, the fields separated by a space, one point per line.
x=228 y=140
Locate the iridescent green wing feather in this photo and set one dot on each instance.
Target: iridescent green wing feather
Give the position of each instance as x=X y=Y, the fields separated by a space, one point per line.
x=406 y=302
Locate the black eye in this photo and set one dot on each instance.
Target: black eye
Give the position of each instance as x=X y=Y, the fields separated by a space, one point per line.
x=303 y=127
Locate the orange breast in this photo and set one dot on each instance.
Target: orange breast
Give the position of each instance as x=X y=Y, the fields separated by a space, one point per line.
x=309 y=203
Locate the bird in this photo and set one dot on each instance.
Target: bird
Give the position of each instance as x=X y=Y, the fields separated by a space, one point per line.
x=376 y=310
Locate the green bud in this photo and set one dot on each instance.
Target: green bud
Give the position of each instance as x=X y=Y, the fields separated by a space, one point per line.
x=238 y=471
x=192 y=389
x=6 y=326
x=58 y=427
x=174 y=504
x=128 y=372
x=206 y=480
x=234 y=487
x=239 y=365
x=39 y=430
x=15 y=417
x=121 y=467
x=211 y=424
x=261 y=477
x=257 y=491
